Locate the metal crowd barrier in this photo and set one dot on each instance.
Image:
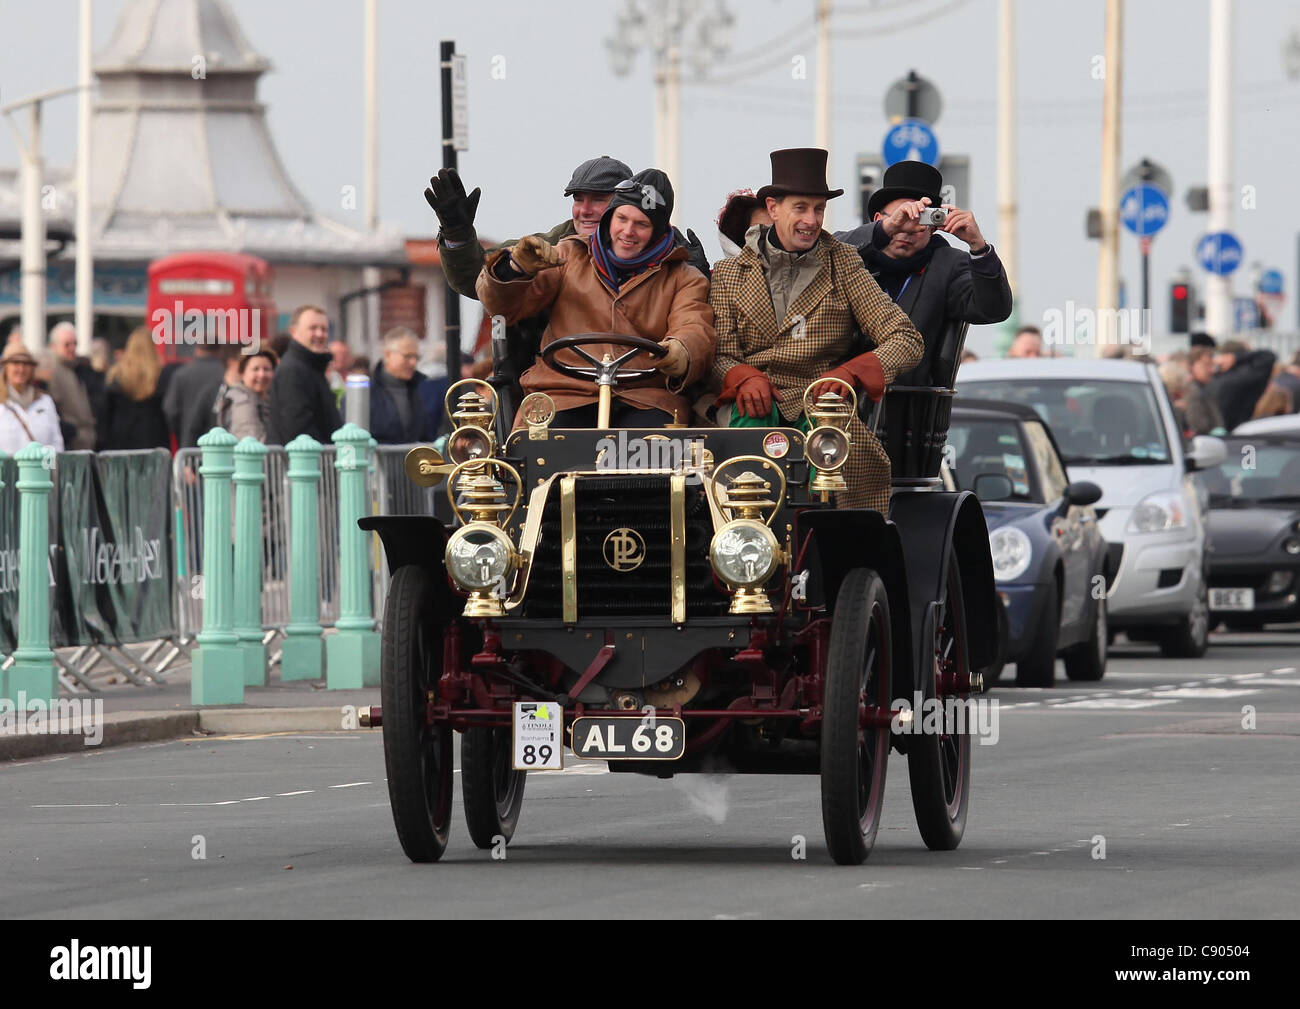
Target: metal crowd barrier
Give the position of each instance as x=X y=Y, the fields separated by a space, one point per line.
x=389 y=492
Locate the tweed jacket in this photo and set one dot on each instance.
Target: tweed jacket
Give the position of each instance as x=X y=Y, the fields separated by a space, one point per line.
x=815 y=336
x=817 y=331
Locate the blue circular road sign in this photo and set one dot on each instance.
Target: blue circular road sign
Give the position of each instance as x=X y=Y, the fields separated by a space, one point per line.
x=1270 y=282
x=1219 y=252
x=1144 y=209
x=910 y=140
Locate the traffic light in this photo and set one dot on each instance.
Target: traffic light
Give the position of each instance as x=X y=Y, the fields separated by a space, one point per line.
x=1180 y=300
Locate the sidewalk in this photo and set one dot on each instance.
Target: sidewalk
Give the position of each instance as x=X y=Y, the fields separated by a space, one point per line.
x=134 y=714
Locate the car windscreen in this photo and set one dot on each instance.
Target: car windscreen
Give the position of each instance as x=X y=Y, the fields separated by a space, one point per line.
x=1255 y=471
x=993 y=446
x=1096 y=422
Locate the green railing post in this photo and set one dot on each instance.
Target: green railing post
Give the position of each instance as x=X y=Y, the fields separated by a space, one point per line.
x=32 y=675
x=250 y=475
x=302 y=657
x=218 y=664
x=352 y=653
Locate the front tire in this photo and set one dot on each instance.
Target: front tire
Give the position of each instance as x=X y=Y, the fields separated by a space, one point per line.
x=1190 y=637
x=1086 y=662
x=1038 y=667
x=417 y=754
x=938 y=764
x=853 y=756
x=492 y=789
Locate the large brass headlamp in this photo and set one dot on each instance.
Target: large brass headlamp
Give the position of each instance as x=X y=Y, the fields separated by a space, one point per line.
x=480 y=558
x=744 y=552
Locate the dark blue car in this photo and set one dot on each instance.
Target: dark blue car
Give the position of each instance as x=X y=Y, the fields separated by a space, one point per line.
x=1049 y=558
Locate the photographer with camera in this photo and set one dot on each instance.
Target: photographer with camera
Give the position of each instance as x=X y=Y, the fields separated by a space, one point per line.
x=935 y=283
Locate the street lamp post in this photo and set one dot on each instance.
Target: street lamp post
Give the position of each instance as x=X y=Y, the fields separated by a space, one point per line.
x=659 y=26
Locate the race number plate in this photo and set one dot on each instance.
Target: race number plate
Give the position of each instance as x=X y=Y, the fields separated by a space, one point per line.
x=629 y=738
x=1232 y=599
x=538 y=736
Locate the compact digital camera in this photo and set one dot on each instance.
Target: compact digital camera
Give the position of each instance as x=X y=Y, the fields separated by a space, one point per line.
x=934 y=216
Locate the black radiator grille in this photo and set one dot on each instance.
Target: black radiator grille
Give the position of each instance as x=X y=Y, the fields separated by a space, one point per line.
x=603 y=504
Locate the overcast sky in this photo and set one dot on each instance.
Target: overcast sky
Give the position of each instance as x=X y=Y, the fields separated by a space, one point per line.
x=558 y=102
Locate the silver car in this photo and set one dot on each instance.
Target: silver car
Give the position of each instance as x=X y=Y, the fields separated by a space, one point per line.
x=1115 y=426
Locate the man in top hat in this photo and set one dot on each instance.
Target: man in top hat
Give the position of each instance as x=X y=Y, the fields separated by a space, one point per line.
x=935 y=283
x=785 y=310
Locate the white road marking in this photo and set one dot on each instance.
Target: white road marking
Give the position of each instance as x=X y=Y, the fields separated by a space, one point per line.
x=1120 y=703
x=256 y=798
x=1203 y=692
x=305 y=791
x=353 y=784
x=73 y=805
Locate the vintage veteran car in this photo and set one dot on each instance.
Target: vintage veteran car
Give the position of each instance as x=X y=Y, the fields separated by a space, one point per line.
x=677 y=600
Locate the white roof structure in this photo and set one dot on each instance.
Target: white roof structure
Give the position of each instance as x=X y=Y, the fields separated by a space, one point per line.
x=183 y=158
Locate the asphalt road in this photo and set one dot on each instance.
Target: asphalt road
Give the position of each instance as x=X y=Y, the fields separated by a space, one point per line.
x=1198 y=814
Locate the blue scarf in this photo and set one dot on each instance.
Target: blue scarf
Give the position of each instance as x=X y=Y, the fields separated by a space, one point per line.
x=615 y=272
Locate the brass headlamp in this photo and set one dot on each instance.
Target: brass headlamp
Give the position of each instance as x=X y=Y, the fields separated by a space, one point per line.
x=480 y=557
x=828 y=445
x=744 y=552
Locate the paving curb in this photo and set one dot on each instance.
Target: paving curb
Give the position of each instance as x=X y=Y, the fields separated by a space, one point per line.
x=118 y=729
x=124 y=727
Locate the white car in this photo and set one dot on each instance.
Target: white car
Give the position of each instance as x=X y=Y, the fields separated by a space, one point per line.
x=1115 y=427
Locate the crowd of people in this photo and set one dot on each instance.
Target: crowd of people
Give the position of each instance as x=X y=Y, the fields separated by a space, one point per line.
x=1214 y=387
x=133 y=399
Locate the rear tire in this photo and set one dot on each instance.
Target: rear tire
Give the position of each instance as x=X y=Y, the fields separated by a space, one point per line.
x=938 y=764
x=1086 y=662
x=492 y=789
x=417 y=755
x=853 y=757
x=1038 y=667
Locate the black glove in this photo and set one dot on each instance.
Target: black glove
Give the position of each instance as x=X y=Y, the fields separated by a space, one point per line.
x=455 y=210
x=695 y=254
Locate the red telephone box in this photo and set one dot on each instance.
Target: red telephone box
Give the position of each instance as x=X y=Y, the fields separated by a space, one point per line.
x=213 y=298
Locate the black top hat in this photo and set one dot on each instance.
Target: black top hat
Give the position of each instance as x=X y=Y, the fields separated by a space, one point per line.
x=906 y=179
x=799 y=171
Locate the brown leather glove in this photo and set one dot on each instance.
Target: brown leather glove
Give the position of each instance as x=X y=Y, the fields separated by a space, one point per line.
x=678 y=360
x=532 y=254
x=863 y=372
x=751 y=390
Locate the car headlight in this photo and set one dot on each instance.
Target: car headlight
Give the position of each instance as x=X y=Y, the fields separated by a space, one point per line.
x=1291 y=545
x=1011 y=552
x=744 y=553
x=468 y=443
x=479 y=556
x=1160 y=512
x=827 y=448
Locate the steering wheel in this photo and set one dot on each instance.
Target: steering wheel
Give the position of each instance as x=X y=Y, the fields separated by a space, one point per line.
x=605 y=372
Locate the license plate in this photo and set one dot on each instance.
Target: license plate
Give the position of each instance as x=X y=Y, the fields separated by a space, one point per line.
x=538 y=736
x=1232 y=599
x=629 y=738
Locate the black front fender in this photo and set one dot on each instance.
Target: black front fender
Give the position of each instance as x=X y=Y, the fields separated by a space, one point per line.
x=934 y=526
x=409 y=539
x=848 y=538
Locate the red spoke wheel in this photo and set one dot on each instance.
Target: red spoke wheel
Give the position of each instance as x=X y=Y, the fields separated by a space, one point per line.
x=854 y=746
x=492 y=789
x=417 y=754
x=938 y=763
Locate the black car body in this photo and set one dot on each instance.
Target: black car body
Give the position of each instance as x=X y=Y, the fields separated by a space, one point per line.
x=1254 y=524
x=1049 y=557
